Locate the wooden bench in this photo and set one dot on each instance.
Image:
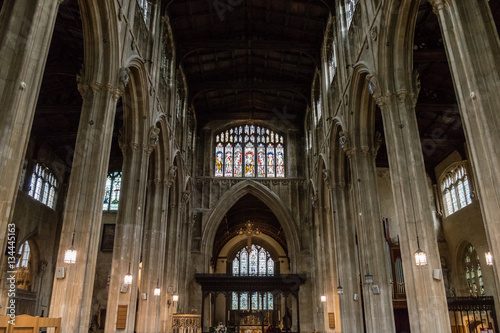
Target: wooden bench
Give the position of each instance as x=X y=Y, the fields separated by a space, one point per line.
x=29 y=324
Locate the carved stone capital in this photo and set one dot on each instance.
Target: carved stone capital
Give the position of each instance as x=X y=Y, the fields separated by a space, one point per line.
x=437 y=5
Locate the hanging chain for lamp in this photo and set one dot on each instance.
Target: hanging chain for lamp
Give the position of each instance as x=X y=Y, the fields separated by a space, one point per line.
x=420 y=256
x=70 y=254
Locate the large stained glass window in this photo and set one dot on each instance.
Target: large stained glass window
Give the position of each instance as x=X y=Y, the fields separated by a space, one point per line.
x=112 y=192
x=257 y=262
x=249 y=151
x=44 y=186
x=455 y=188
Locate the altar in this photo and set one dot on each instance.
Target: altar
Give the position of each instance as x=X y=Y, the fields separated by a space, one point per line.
x=251 y=329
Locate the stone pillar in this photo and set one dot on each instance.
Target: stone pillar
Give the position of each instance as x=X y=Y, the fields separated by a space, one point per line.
x=26 y=28
x=128 y=234
x=351 y=313
x=167 y=305
x=472 y=47
x=154 y=243
x=72 y=295
x=426 y=297
x=379 y=315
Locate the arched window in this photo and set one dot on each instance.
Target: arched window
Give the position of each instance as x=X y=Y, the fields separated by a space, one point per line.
x=455 y=188
x=473 y=273
x=44 y=185
x=257 y=262
x=249 y=151
x=24 y=255
x=112 y=192
x=24 y=271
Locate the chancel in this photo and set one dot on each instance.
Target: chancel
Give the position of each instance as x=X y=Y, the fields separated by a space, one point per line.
x=230 y=166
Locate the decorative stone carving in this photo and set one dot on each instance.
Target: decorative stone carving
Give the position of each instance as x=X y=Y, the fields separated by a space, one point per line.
x=124 y=77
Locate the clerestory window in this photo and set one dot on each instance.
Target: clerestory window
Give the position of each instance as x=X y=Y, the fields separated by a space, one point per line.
x=455 y=188
x=249 y=151
x=44 y=186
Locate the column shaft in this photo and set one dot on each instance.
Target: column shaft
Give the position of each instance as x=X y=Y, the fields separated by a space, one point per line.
x=26 y=27
x=472 y=47
x=379 y=315
x=72 y=295
x=128 y=235
x=427 y=305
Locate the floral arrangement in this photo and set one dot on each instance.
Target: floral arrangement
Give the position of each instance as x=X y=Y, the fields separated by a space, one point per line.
x=220 y=328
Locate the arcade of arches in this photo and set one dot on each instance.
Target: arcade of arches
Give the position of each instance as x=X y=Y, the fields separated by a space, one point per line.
x=251 y=166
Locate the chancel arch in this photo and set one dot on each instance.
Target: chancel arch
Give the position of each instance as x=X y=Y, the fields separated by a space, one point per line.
x=261 y=192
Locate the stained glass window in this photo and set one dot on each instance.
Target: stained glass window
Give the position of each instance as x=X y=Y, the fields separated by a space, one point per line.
x=455 y=188
x=261 y=160
x=249 y=151
x=228 y=165
x=244 y=301
x=257 y=262
x=235 y=302
x=270 y=160
x=219 y=152
x=249 y=160
x=44 y=185
x=473 y=273
x=112 y=191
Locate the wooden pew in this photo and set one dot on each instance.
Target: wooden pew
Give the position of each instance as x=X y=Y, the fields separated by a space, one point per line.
x=50 y=322
x=29 y=324
x=4 y=324
x=24 y=324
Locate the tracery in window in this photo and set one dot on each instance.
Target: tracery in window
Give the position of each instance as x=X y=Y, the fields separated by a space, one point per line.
x=112 y=191
x=473 y=272
x=455 y=188
x=257 y=262
x=43 y=185
x=249 y=151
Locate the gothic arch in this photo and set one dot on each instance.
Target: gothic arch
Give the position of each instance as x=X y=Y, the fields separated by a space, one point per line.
x=268 y=197
x=135 y=101
x=399 y=19
x=363 y=106
x=101 y=46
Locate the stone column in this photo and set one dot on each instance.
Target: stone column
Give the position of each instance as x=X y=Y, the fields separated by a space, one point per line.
x=72 y=295
x=426 y=297
x=167 y=306
x=26 y=28
x=351 y=313
x=472 y=47
x=154 y=242
x=128 y=234
x=379 y=315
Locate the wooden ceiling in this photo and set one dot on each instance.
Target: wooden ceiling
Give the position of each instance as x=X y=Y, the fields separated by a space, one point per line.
x=252 y=59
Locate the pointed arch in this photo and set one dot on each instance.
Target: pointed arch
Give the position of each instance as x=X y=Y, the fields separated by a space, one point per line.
x=276 y=205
